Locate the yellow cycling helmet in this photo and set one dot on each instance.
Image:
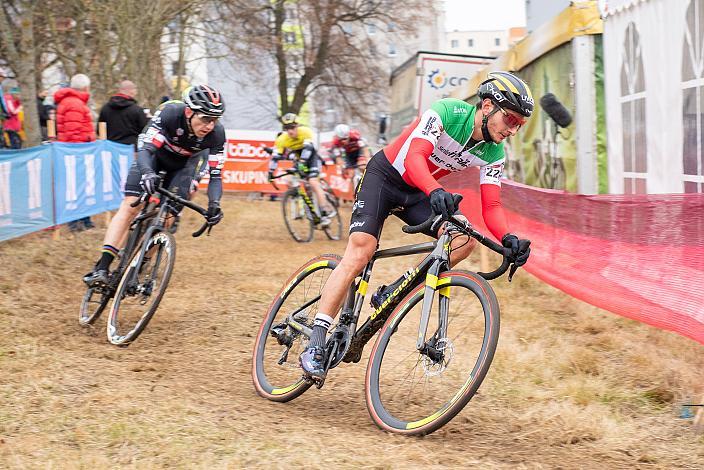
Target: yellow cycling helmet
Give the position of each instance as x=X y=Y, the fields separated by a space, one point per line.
x=289 y=120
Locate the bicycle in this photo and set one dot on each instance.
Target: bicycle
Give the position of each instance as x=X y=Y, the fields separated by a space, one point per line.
x=301 y=209
x=421 y=345
x=138 y=283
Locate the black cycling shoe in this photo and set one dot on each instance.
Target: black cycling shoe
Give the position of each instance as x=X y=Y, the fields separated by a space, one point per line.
x=97 y=278
x=313 y=362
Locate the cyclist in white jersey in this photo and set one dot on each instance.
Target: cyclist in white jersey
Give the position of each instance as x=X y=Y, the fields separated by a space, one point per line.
x=450 y=136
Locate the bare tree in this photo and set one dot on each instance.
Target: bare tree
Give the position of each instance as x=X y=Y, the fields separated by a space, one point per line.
x=321 y=47
x=17 y=46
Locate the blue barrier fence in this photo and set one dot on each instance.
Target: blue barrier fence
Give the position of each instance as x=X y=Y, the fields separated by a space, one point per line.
x=59 y=182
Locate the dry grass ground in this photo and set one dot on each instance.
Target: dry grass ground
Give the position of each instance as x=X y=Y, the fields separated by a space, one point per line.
x=571 y=386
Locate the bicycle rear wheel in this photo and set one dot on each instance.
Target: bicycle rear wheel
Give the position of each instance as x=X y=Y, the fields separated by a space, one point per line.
x=141 y=288
x=296 y=216
x=276 y=372
x=416 y=393
x=94 y=302
x=334 y=230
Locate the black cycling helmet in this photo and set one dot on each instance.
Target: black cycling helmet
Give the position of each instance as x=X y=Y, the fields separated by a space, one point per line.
x=508 y=91
x=205 y=100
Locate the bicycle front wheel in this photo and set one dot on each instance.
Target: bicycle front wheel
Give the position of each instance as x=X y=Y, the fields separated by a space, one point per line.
x=413 y=392
x=333 y=230
x=276 y=372
x=141 y=288
x=94 y=302
x=297 y=216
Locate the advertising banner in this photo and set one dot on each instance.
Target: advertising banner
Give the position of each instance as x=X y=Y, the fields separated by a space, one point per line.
x=26 y=199
x=88 y=178
x=247 y=166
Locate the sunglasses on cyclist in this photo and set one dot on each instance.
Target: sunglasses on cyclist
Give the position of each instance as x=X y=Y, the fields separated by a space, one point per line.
x=511 y=120
x=207 y=119
x=290 y=126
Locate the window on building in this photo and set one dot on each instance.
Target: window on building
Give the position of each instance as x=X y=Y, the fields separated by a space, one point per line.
x=454 y=43
x=470 y=42
x=290 y=37
x=391 y=27
x=392 y=49
x=635 y=155
x=497 y=41
x=371 y=29
x=693 y=100
x=174 y=68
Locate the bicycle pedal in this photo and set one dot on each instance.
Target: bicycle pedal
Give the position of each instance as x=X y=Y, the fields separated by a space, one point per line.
x=317 y=381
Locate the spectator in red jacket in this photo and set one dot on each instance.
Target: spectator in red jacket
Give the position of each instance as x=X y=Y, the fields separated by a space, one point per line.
x=74 y=123
x=12 y=124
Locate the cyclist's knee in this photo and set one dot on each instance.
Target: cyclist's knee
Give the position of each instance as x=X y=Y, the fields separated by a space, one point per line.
x=360 y=249
x=126 y=208
x=462 y=247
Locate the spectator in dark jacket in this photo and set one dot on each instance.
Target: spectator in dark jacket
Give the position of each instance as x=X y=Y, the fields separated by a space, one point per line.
x=74 y=122
x=124 y=118
x=43 y=112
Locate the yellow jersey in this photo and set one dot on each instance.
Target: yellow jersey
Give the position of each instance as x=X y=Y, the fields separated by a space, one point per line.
x=285 y=143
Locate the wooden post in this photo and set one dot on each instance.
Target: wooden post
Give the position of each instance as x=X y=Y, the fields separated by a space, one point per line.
x=699 y=418
x=484 y=258
x=102 y=130
x=51 y=129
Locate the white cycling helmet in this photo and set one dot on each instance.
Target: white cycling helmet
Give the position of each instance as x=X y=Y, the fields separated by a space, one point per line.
x=342 y=131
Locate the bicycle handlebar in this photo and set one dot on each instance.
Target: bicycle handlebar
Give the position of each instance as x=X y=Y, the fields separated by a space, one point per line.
x=436 y=220
x=179 y=200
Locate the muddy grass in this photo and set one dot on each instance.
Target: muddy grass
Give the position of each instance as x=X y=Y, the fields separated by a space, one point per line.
x=571 y=386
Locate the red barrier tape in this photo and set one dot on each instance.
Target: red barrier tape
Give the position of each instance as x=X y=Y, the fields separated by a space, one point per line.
x=639 y=256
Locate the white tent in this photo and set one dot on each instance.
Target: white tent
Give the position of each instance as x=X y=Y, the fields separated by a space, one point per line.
x=654 y=78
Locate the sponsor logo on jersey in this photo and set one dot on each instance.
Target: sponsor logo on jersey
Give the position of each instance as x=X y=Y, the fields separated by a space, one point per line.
x=357 y=224
x=428 y=129
x=459 y=110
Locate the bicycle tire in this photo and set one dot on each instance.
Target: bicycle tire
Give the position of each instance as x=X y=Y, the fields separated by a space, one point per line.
x=289 y=373
x=88 y=315
x=293 y=209
x=166 y=242
x=384 y=406
x=334 y=230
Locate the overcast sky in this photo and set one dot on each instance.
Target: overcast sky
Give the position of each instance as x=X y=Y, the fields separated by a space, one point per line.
x=468 y=15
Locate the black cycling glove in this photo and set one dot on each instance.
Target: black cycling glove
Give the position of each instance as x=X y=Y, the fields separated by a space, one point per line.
x=214 y=214
x=520 y=249
x=442 y=203
x=149 y=182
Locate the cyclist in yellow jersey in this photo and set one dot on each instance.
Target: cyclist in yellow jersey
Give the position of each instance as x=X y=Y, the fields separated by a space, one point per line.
x=296 y=143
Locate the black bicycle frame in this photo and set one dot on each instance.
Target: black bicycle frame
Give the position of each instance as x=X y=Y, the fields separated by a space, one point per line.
x=430 y=266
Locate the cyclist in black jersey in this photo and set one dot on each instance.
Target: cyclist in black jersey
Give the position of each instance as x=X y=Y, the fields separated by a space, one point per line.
x=178 y=138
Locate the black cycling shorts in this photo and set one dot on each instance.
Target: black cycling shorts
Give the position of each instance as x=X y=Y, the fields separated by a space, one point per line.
x=382 y=192
x=178 y=178
x=351 y=159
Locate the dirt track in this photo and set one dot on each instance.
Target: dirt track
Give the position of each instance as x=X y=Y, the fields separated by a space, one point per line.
x=571 y=386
